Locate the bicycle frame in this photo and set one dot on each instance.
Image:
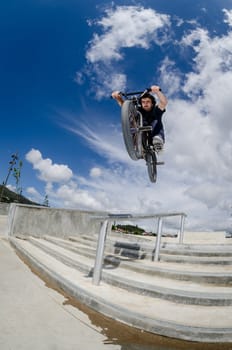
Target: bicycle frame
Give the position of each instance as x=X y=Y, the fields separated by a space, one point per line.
x=140 y=129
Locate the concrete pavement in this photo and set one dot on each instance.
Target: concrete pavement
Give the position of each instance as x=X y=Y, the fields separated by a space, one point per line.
x=34 y=316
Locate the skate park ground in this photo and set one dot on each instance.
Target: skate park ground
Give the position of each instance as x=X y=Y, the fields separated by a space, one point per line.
x=34 y=314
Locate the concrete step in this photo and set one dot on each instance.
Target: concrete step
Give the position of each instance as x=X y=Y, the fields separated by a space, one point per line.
x=194 y=259
x=80 y=246
x=216 y=250
x=116 y=273
x=135 y=251
x=213 y=274
x=203 y=273
x=177 y=267
x=156 y=315
x=148 y=244
x=85 y=239
x=112 y=243
x=77 y=246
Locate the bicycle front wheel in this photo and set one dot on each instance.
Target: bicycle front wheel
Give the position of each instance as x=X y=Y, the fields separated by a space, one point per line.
x=151 y=166
x=129 y=117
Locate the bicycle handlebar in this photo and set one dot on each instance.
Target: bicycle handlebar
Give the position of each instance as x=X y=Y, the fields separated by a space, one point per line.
x=135 y=93
x=125 y=94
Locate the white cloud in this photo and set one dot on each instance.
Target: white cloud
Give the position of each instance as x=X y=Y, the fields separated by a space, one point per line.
x=228 y=17
x=105 y=79
x=209 y=87
x=204 y=193
x=170 y=77
x=32 y=191
x=95 y=172
x=213 y=61
x=47 y=171
x=199 y=129
x=33 y=194
x=105 y=139
x=125 y=27
x=75 y=197
x=121 y=28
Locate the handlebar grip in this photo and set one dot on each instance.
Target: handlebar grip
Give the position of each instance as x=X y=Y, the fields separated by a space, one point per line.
x=149 y=89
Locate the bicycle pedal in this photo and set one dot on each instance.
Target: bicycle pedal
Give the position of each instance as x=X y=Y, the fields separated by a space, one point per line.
x=145 y=128
x=157 y=148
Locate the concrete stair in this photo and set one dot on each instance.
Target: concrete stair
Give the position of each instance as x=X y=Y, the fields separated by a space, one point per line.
x=186 y=295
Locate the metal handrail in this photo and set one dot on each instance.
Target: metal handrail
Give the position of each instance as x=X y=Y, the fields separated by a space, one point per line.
x=103 y=233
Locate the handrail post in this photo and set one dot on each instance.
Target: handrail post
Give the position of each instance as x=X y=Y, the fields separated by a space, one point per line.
x=100 y=253
x=158 y=239
x=181 y=237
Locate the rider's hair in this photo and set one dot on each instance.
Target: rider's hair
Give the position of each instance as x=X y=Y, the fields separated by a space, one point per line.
x=147 y=95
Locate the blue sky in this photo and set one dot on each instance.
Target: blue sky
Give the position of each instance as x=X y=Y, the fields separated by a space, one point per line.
x=59 y=62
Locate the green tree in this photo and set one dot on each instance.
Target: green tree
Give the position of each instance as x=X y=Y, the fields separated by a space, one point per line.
x=46 y=201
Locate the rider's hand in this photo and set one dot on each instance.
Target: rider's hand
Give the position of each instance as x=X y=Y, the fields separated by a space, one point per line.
x=162 y=98
x=155 y=89
x=118 y=97
x=115 y=95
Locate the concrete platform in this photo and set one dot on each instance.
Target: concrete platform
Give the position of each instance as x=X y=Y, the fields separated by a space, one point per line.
x=34 y=316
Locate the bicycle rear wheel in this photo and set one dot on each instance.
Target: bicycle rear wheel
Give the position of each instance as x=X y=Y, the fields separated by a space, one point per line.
x=151 y=162
x=132 y=139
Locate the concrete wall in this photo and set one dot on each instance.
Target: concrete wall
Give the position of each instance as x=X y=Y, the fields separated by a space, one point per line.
x=4 y=207
x=40 y=221
x=3 y=225
x=202 y=237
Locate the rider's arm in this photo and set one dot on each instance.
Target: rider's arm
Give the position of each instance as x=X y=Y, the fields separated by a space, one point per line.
x=118 y=97
x=155 y=89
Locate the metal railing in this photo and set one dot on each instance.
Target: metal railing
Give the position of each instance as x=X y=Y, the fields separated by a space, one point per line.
x=112 y=217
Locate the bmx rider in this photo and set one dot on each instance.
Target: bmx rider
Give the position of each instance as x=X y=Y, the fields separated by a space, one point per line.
x=152 y=113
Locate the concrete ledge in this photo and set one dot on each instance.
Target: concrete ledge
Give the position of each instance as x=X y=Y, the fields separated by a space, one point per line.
x=40 y=221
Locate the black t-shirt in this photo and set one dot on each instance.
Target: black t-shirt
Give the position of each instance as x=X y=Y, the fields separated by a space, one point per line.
x=154 y=115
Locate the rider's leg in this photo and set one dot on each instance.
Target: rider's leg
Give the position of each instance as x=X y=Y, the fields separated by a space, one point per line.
x=158 y=143
x=158 y=138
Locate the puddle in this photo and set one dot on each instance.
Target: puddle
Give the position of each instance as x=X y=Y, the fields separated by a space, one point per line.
x=130 y=338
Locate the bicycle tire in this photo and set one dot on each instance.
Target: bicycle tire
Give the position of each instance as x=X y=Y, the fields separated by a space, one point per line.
x=151 y=162
x=129 y=127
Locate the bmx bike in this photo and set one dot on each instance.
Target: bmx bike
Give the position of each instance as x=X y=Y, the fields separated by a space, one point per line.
x=137 y=136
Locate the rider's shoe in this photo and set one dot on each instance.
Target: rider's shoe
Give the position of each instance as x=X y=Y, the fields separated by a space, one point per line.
x=158 y=143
